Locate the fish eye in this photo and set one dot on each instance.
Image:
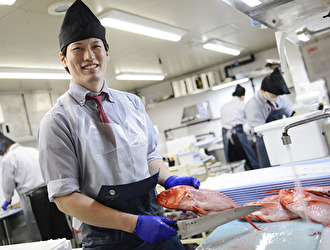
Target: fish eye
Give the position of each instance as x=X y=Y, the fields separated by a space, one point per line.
x=167 y=191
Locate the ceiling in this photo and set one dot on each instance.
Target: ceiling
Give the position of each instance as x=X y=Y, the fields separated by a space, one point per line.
x=29 y=37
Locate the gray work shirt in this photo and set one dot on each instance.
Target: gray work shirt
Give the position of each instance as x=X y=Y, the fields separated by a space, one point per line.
x=70 y=137
x=21 y=171
x=257 y=109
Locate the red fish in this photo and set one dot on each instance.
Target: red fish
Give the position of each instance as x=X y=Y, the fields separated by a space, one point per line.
x=199 y=201
x=273 y=212
x=307 y=205
x=320 y=191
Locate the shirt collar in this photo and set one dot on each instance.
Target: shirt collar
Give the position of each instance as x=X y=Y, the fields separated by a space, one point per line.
x=79 y=92
x=11 y=147
x=261 y=96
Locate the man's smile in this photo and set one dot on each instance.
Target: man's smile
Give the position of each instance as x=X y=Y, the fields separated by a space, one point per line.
x=90 y=66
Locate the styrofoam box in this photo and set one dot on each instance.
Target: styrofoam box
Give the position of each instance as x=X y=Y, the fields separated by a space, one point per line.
x=307 y=140
x=58 y=244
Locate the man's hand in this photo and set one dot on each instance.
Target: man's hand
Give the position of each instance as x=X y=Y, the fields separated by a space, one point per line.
x=153 y=229
x=5 y=205
x=174 y=180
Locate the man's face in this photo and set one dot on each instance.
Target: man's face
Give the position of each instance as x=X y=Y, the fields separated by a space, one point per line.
x=269 y=96
x=87 y=61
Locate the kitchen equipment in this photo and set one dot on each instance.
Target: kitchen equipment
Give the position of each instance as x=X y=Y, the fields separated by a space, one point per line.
x=308 y=140
x=286 y=137
x=195 y=226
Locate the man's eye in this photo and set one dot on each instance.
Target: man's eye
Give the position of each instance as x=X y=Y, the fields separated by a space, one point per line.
x=76 y=48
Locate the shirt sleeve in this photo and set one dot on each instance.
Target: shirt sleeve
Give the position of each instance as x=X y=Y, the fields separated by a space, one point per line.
x=8 y=178
x=254 y=114
x=57 y=157
x=287 y=109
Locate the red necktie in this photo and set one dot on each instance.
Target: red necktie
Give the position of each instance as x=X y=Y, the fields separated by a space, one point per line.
x=271 y=105
x=103 y=117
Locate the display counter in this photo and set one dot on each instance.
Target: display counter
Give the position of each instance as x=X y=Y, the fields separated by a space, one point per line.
x=251 y=185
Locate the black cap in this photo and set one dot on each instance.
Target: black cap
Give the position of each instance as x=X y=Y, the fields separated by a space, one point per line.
x=80 y=23
x=239 y=91
x=5 y=143
x=275 y=83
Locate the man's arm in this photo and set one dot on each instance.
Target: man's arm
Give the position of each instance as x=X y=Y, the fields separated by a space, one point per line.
x=159 y=165
x=167 y=179
x=94 y=213
x=151 y=229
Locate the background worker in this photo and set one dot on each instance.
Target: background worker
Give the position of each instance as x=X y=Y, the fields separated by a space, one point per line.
x=21 y=171
x=268 y=105
x=98 y=149
x=236 y=144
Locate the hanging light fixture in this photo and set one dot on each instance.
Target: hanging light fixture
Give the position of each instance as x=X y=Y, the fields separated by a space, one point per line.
x=32 y=73
x=7 y=2
x=139 y=25
x=140 y=76
x=230 y=84
x=251 y=3
x=223 y=47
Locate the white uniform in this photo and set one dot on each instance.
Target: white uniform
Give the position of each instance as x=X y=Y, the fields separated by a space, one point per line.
x=21 y=171
x=233 y=113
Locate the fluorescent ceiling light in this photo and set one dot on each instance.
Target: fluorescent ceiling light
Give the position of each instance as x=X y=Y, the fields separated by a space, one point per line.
x=251 y=3
x=7 y=2
x=59 y=8
x=230 y=84
x=140 y=76
x=304 y=34
x=303 y=37
x=223 y=47
x=131 y=23
x=32 y=73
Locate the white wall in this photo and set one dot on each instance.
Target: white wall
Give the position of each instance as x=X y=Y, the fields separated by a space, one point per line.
x=167 y=114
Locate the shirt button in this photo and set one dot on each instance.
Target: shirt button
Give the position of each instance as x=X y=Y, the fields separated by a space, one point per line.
x=112 y=192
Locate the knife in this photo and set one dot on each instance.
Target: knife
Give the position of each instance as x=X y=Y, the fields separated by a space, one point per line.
x=198 y=225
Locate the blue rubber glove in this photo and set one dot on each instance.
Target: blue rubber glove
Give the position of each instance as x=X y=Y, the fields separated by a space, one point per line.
x=153 y=229
x=174 y=180
x=5 y=205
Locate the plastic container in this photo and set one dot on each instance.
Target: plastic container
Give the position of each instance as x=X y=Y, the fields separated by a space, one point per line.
x=188 y=157
x=308 y=141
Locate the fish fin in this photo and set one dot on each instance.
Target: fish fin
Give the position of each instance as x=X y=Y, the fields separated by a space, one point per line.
x=252 y=224
x=273 y=191
x=261 y=218
x=318 y=193
x=201 y=211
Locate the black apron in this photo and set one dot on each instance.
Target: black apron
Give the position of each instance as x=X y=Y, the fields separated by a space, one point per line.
x=240 y=148
x=134 y=198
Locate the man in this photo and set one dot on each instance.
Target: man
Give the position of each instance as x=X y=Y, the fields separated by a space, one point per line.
x=21 y=171
x=98 y=149
x=268 y=105
x=236 y=144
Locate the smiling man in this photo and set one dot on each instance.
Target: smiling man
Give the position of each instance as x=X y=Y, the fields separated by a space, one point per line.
x=98 y=150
